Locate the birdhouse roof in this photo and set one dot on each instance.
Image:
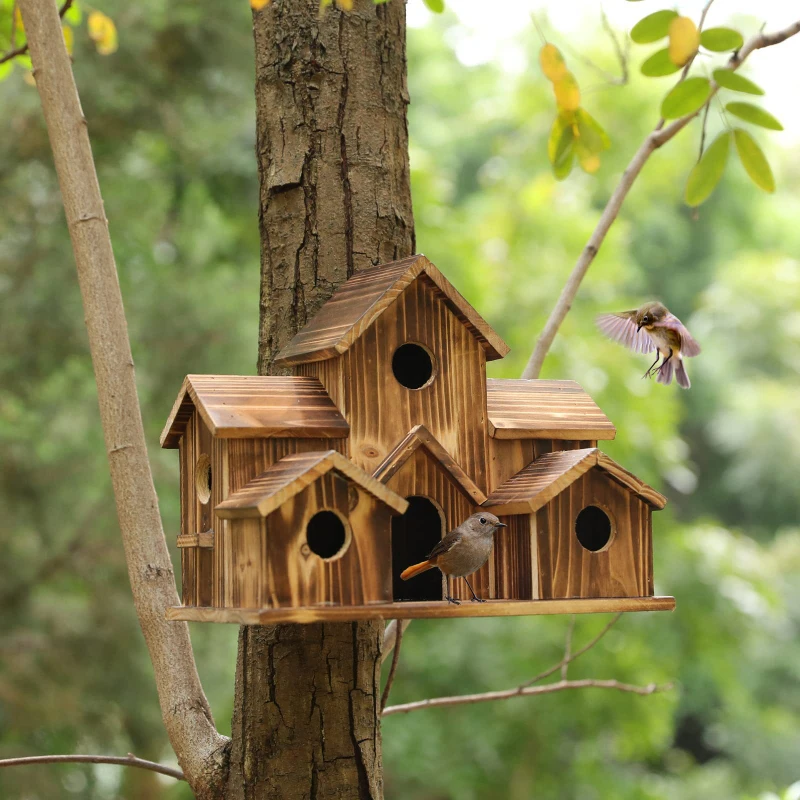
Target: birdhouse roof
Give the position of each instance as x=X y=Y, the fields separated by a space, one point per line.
x=364 y=297
x=235 y=407
x=538 y=483
x=293 y=473
x=420 y=436
x=536 y=409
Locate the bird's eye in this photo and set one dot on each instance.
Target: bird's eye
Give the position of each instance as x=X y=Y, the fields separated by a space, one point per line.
x=645 y=319
x=483 y=520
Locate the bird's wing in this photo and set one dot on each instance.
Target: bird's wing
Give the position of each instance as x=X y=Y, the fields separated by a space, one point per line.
x=622 y=328
x=689 y=346
x=446 y=545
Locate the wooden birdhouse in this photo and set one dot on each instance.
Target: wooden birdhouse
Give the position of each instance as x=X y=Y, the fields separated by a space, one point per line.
x=304 y=497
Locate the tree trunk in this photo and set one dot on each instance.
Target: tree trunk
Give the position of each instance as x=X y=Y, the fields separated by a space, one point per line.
x=332 y=148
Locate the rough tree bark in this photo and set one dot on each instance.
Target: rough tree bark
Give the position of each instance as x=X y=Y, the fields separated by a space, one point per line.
x=332 y=148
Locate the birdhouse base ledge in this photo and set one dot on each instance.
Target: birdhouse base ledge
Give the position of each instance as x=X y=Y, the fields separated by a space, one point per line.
x=438 y=609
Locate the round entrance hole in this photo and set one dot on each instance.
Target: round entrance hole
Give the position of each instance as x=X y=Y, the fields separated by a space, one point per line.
x=412 y=365
x=326 y=535
x=593 y=528
x=202 y=478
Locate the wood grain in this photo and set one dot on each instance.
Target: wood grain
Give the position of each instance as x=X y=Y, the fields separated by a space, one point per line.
x=421 y=610
x=537 y=409
x=623 y=569
x=234 y=406
x=365 y=297
x=268 y=491
x=550 y=474
x=420 y=436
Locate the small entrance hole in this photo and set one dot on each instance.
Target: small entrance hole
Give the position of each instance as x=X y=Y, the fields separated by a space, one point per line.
x=202 y=478
x=414 y=535
x=412 y=365
x=326 y=535
x=593 y=528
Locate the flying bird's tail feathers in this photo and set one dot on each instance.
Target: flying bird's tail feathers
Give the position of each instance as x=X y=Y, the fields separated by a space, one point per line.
x=666 y=371
x=681 y=376
x=411 y=571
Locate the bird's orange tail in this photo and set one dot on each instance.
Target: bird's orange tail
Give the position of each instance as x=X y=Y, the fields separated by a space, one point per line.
x=415 y=569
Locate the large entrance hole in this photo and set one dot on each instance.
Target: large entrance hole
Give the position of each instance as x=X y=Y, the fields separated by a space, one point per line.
x=412 y=365
x=593 y=528
x=326 y=535
x=414 y=535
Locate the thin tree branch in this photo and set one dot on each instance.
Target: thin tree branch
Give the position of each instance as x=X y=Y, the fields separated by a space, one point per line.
x=390 y=636
x=20 y=51
x=521 y=691
x=658 y=137
x=568 y=659
x=567 y=648
x=200 y=749
x=393 y=668
x=128 y=761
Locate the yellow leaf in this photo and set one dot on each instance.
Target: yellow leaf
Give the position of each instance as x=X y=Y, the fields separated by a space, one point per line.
x=345 y=5
x=69 y=38
x=552 y=63
x=29 y=79
x=103 y=32
x=257 y=5
x=684 y=39
x=18 y=20
x=568 y=95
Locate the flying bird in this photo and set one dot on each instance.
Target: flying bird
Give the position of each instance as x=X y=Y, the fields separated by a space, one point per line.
x=463 y=551
x=653 y=327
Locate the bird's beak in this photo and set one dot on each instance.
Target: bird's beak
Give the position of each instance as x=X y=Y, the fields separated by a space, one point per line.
x=638 y=328
x=501 y=525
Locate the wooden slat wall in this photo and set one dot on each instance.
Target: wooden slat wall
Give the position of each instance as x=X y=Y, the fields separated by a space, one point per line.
x=204 y=444
x=381 y=412
x=271 y=565
x=188 y=527
x=515 y=578
x=566 y=569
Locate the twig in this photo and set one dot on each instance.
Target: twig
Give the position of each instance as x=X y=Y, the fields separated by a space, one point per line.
x=652 y=142
x=22 y=49
x=128 y=761
x=567 y=648
x=522 y=691
x=703 y=130
x=393 y=668
x=390 y=635
x=577 y=654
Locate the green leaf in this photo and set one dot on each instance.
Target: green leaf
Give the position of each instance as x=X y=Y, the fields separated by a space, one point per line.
x=750 y=113
x=5 y=69
x=753 y=160
x=591 y=132
x=718 y=40
x=687 y=96
x=562 y=136
x=705 y=176
x=564 y=167
x=73 y=15
x=437 y=6
x=728 y=79
x=659 y=64
x=653 y=27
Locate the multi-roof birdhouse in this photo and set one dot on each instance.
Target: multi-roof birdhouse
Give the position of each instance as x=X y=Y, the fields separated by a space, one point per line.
x=304 y=497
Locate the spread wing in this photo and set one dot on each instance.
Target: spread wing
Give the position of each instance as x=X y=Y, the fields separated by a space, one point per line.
x=689 y=346
x=621 y=328
x=448 y=543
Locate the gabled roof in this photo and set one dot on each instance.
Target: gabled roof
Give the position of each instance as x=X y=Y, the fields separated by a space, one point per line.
x=420 y=436
x=364 y=297
x=536 y=409
x=538 y=483
x=236 y=407
x=293 y=473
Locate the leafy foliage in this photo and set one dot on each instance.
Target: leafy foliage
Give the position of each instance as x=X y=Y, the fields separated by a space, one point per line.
x=758 y=116
x=707 y=173
x=754 y=161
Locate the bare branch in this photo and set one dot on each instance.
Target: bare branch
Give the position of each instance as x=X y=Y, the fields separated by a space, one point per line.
x=568 y=659
x=522 y=691
x=127 y=761
x=390 y=636
x=393 y=668
x=20 y=51
x=659 y=136
x=567 y=648
x=201 y=750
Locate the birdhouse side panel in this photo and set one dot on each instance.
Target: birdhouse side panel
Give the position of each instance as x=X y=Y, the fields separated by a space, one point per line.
x=442 y=355
x=515 y=566
x=615 y=558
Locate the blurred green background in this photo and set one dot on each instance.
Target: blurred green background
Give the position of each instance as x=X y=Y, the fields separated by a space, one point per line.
x=172 y=123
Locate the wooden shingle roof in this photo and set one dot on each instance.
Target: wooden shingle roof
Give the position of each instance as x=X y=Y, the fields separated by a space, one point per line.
x=538 y=483
x=364 y=297
x=537 y=409
x=293 y=473
x=420 y=436
x=234 y=406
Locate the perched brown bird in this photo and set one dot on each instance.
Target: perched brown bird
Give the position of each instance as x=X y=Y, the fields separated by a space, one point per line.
x=653 y=327
x=463 y=551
